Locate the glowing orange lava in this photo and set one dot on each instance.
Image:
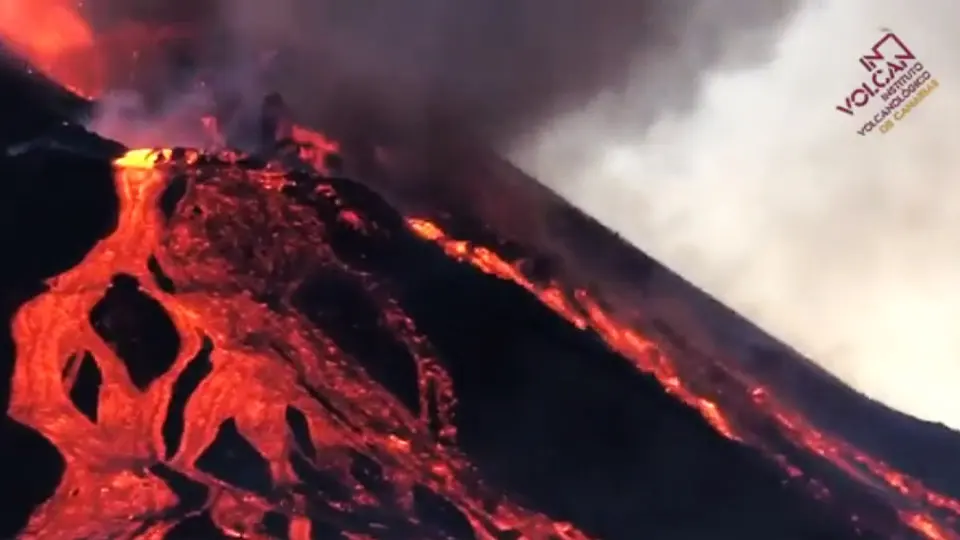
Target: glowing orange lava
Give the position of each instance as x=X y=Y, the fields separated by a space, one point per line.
x=931 y=514
x=314 y=147
x=54 y=37
x=264 y=359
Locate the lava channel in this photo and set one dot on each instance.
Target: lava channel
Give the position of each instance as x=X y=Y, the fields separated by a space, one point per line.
x=264 y=360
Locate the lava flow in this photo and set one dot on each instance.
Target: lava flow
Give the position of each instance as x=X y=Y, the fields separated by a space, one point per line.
x=225 y=267
x=213 y=266
x=733 y=410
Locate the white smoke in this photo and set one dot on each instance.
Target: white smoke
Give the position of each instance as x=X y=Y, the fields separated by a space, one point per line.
x=121 y=115
x=846 y=247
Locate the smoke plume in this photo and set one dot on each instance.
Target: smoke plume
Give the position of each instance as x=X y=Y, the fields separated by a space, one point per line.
x=704 y=132
x=487 y=68
x=844 y=246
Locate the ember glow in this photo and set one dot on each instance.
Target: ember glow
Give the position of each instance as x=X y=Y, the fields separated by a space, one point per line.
x=54 y=37
x=263 y=360
x=733 y=406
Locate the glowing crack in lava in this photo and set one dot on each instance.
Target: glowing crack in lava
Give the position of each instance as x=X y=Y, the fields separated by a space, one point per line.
x=265 y=357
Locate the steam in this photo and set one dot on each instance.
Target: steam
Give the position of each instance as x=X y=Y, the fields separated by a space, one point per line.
x=123 y=116
x=845 y=246
x=491 y=68
x=488 y=69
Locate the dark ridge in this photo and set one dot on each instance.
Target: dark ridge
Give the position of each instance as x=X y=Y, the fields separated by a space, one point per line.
x=172 y=195
x=11 y=298
x=275 y=524
x=326 y=496
x=235 y=461
x=85 y=393
x=324 y=401
x=137 y=329
x=370 y=474
x=433 y=509
x=528 y=381
x=334 y=163
x=195 y=528
x=191 y=495
x=31 y=469
x=434 y=420
x=297 y=423
x=328 y=299
x=35 y=104
x=163 y=281
x=921 y=449
x=319 y=484
x=371 y=247
x=53 y=209
x=356 y=195
x=323 y=530
x=189 y=379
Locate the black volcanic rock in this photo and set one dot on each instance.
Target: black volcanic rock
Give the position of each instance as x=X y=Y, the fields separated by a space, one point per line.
x=32 y=104
x=546 y=412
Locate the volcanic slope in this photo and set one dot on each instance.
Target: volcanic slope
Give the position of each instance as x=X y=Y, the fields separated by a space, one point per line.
x=746 y=384
x=202 y=346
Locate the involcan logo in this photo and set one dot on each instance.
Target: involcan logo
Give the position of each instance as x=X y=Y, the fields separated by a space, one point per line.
x=897 y=83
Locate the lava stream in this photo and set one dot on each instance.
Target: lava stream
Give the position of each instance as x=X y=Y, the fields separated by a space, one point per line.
x=266 y=357
x=264 y=360
x=931 y=514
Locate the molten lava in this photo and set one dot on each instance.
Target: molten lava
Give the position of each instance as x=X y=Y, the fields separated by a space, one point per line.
x=55 y=38
x=234 y=236
x=236 y=249
x=265 y=358
x=931 y=514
